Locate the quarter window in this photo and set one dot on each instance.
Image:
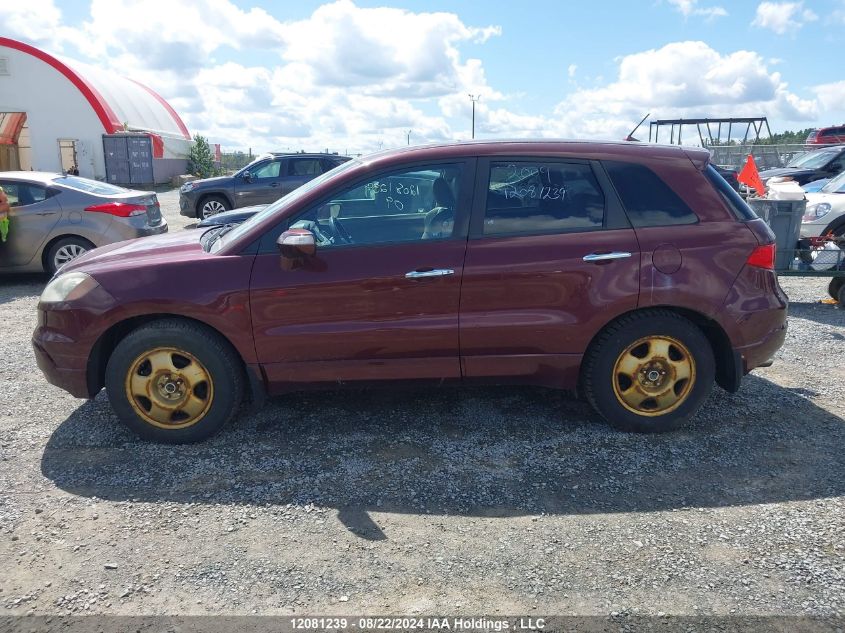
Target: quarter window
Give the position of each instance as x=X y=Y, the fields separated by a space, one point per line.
x=647 y=199
x=542 y=197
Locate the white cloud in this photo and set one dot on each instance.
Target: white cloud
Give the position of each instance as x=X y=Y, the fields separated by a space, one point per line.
x=689 y=8
x=687 y=79
x=355 y=78
x=782 y=17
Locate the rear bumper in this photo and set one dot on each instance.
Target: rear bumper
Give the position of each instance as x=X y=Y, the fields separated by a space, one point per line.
x=130 y=228
x=761 y=354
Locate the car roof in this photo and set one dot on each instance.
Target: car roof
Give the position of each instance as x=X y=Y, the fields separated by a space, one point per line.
x=303 y=155
x=41 y=177
x=574 y=147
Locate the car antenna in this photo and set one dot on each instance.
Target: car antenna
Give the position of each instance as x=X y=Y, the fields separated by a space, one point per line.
x=630 y=136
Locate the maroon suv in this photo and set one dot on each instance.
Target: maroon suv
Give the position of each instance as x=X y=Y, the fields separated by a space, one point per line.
x=633 y=273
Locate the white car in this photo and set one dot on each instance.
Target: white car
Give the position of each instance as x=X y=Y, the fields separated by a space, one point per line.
x=826 y=210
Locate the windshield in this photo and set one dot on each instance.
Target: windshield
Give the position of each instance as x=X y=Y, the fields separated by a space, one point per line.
x=89 y=186
x=812 y=160
x=281 y=203
x=837 y=185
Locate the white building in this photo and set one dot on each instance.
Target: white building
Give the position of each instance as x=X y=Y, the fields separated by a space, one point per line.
x=57 y=113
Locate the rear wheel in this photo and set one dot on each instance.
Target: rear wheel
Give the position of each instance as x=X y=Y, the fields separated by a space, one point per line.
x=212 y=205
x=834 y=288
x=65 y=250
x=649 y=371
x=174 y=382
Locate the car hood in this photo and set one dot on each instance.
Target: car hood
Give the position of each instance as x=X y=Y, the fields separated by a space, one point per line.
x=835 y=200
x=217 y=181
x=235 y=216
x=142 y=252
x=786 y=171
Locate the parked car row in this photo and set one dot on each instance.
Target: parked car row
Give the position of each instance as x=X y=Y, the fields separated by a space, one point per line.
x=264 y=180
x=570 y=265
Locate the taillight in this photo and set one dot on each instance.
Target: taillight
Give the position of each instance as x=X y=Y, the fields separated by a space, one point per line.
x=762 y=257
x=120 y=209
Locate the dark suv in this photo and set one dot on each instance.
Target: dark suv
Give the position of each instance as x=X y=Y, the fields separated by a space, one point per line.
x=810 y=166
x=633 y=273
x=264 y=180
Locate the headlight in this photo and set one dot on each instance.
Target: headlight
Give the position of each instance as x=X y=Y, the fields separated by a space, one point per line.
x=188 y=186
x=816 y=211
x=68 y=287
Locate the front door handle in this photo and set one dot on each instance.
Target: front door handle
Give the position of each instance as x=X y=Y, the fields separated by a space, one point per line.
x=436 y=272
x=603 y=257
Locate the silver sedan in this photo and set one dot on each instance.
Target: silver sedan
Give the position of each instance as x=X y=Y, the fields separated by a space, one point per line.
x=55 y=218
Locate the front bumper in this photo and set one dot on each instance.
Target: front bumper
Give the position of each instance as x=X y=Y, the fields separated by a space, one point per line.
x=813 y=229
x=65 y=340
x=72 y=379
x=188 y=204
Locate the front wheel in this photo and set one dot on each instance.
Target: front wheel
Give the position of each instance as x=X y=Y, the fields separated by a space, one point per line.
x=212 y=205
x=649 y=372
x=174 y=382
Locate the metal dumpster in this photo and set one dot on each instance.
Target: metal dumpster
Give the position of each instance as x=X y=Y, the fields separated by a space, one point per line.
x=784 y=218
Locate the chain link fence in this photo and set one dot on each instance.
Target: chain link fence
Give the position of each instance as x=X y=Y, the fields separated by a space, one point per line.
x=765 y=156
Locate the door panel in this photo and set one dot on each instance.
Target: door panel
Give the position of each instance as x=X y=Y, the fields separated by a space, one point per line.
x=30 y=221
x=351 y=314
x=264 y=186
x=531 y=303
x=380 y=298
x=536 y=295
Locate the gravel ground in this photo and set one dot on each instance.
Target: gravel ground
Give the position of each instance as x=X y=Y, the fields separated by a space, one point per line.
x=484 y=500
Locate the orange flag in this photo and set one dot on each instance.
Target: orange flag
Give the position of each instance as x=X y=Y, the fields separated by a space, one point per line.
x=751 y=177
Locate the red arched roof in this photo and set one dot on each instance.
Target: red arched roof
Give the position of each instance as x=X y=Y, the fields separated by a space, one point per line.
x=104 y=111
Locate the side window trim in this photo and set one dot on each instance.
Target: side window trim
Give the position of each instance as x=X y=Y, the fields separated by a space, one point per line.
x=614 y=214
x=462 y=210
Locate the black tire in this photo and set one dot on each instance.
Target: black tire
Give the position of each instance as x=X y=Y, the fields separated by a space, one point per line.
x=209 y=206
x=212 y=353
x=834 y=288
x=598 y=371
x=841 y=295
x=65 y=250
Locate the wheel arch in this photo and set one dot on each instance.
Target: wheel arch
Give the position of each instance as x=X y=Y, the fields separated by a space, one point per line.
x=45 y=250
x=835 y=224
x=102 y=350
x=213 y=194
x=728 y=363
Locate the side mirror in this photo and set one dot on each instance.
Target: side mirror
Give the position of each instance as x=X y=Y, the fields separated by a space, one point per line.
x=297 y=244
x=246 y=176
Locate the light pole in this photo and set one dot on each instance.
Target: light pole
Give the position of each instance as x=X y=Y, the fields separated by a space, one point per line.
x=409 y=136
x=473 y=98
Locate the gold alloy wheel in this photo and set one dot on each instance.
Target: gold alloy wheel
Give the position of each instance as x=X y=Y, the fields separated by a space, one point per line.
x=169 y=388
x=653 y=375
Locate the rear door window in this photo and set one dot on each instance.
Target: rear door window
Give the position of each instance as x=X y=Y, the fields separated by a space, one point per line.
x=535 y=197
x=21 y=194
x=647 y=199
x=305 y=167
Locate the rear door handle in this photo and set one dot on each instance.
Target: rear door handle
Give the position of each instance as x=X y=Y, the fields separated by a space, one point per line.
x=603 y=257
x=436 y=272
x=46 y=213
